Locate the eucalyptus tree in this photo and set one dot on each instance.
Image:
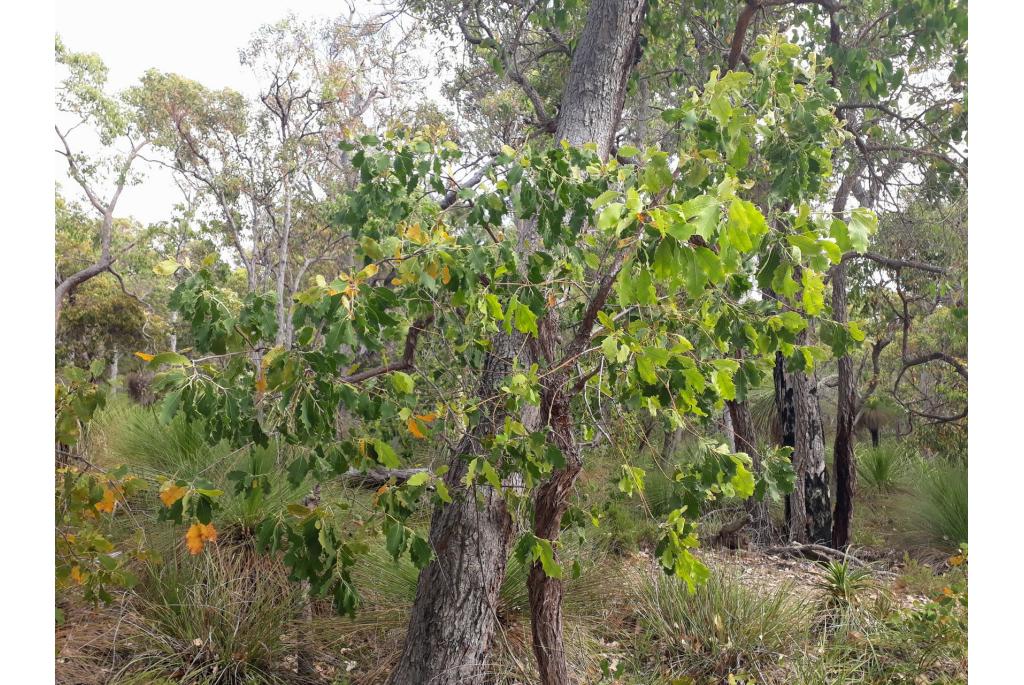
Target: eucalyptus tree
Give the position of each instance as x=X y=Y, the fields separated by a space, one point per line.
x=83 y=104
x=267 y=164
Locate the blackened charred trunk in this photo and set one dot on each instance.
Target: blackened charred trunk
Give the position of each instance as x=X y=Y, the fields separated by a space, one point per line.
x=808 y=510
x=876 y=436
x=846 y=471
x=453 y=616
x=785 y=420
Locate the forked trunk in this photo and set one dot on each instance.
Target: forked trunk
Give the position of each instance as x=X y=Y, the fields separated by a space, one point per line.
x=591 y=106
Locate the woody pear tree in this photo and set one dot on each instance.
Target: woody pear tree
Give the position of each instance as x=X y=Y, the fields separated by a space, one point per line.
x=500 y=322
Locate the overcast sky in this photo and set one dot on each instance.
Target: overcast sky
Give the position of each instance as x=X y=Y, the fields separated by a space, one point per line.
x=195 y=38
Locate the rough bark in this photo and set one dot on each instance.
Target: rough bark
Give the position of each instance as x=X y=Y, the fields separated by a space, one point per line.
x=590 y=110
x=745 y=436
x=453 y=616
x=814 y=523
x=846 y=472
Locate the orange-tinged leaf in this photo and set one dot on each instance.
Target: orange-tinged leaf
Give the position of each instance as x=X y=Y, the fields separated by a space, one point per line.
x=198 y=535
x=414 y=427
x=144 y=357
x=446 y=275
x=107 y=503
x=171 y=493
x=427 y=418
x=194 y=539
x=77 y=575
x=261 y=384
x=551 y=300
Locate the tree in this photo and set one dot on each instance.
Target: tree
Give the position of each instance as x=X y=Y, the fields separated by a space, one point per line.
x=82 y=100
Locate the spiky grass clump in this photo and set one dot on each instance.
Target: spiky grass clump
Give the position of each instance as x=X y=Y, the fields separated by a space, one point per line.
x=842 y=585
x=722 y=627
x=936 y=506
x=218 y=618
x=135 y=436
x=882 y=469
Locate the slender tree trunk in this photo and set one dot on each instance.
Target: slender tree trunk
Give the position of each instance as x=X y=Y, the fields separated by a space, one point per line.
x=590 y=110
x=116 y=357
x=815 y=522
x=453 y=617
x=729 y=428
x=746 y=441
x=667 y=456
x=846 y=472
x=876 y=436
x=284 y=336
x=305 y=662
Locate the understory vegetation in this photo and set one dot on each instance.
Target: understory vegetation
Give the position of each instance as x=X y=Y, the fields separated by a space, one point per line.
x=232 y=615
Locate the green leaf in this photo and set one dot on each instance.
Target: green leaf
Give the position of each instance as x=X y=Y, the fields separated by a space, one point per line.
x=863 y=224
x=402 y=382
x=418 y=478
x=385 y=455
x=166 y=267
x=814 y=292
x=526 y=320
x=547 y=558
x=169 y=358
x=420 y=552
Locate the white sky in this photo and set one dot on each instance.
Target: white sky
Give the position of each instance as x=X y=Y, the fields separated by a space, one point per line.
x=198 y=39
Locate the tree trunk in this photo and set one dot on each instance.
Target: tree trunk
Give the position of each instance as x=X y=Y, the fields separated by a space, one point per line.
x=667 y=456
x=112 y=377
x=746 y=441
x=808 y=514
x=590 y=110
x=846 y=472
x=815 y=524
x=453 y=616
x=876 y=436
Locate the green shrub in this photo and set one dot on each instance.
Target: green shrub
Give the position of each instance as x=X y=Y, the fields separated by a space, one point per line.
x=882 y=468
x=936 y=507
x=723 y=627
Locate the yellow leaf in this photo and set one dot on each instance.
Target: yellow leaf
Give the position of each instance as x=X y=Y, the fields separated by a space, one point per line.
x=414 y=427
x=261 y=384
x=171 y=493
x=396 y=281
x=415 y=234
x=432 y=270
x=107 y=503
x=369 y=271
x=144 y=357
x=77 y=575
x=446 y=275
